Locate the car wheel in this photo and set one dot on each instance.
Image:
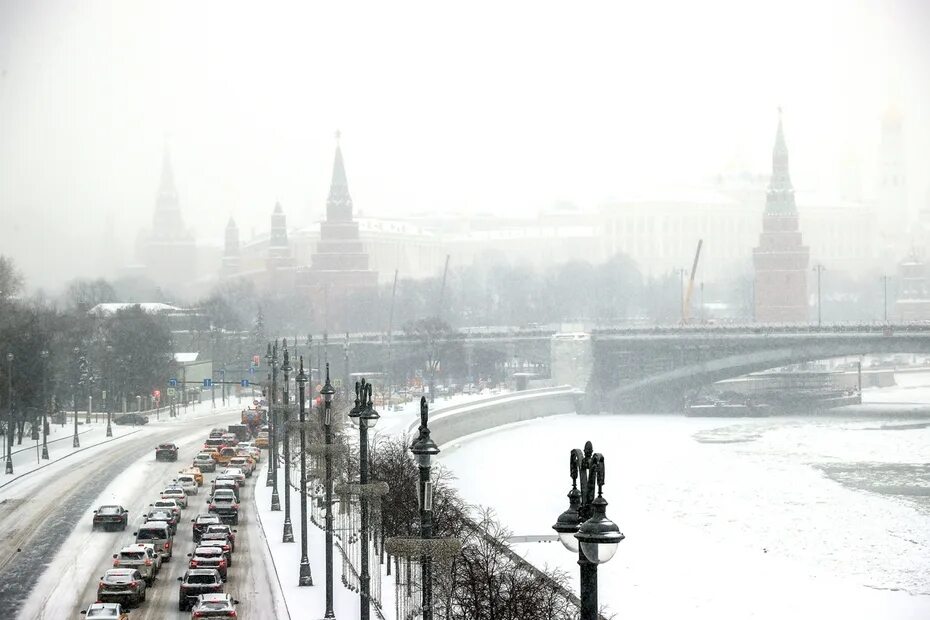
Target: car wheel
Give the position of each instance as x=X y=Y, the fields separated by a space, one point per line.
x=182 y=606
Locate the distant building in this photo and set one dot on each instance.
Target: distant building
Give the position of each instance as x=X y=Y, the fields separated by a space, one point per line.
x=232 y=255
x=913 y=302
x=339 y=264
x=167 y=253
x=781 y=260
x=894 y=217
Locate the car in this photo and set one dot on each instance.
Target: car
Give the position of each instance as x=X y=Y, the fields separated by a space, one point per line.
x=109 y=611
x=261 y=441
x=160 y=535
x=163 y=514
x=177 y=494
x=213 y=443
x=197 y=581
x=230 y=484
x=220 y=542
x=188 y=483
x=210 y=556
x=225 y=504
x=134 y=419
x=254 y=451
x=110 y=517
x=215 y=606
x=143 y=558
x=225 y=453
x=223 y=528
x=168 y=504
x=233 y=472
x=205 y=462
x=201 y=523
x=217 y=433
x=166 y=452
x=121 y=585
x=243 y=462
x=195 y=472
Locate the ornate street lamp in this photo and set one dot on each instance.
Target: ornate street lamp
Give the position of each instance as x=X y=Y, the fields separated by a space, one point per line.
x=269 y=482
x=77 y=442
x=9 y=404
x=105 y=399
x=367 y=417
x=328 y=392
x=44 y=356
x=273 y=398
x=584 y=528
x=424 y=449
x=305 y=578
x=288 y=533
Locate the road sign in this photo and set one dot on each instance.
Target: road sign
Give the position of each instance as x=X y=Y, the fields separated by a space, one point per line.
x=251 y=370
x=244 y=383
x=207 y=383
x=172 y=391
x=173 y=382
x=156 y=394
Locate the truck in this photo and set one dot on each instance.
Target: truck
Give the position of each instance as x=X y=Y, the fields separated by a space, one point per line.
x=241 y=431
x=254 y=419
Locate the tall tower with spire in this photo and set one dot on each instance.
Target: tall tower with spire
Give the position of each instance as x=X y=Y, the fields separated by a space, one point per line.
x=167 y=251
x=279 y=252
x=339 y=265
x=781 y=260
x=232 y=258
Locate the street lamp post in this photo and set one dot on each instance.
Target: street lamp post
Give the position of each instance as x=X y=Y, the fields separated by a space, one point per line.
x=424 y=449
x=328 y=392
x=885 y=293
x=9 y=406
x=107 y=400
x=44 y=356
x=305 y=579
x=269 y=481
x=273 y=418
x=367 y=417
x=584 y=528
x=76 y=443
x=288 y=533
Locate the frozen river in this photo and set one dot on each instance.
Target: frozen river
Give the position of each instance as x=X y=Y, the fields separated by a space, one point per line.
x=786 y=517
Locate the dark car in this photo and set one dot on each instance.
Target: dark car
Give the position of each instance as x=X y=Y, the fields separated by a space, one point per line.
x=210 y=557
x=166 y=452
x=121 y=585
x=225 y=504
x=110 y=518
x=201 y=523
x=197 y=581
x=135 y=419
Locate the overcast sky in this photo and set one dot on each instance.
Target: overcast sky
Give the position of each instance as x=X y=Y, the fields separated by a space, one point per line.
x=443 y=107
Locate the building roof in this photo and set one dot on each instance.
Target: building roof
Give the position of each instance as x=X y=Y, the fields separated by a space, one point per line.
x=186 y=358
x=149 y=307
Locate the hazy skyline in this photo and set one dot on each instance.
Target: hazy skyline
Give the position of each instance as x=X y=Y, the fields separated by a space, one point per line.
x=487 y=108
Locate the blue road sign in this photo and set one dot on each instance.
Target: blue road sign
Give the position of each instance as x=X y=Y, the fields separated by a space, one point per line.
x=251 y=370
x=207 y=383
x=173 y=382
x=244 y=383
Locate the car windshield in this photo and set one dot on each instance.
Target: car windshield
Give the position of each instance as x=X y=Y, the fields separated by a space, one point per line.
x=214 y=606
x=132 y=555
x=167 y=446
x=102 y=612
x=109 y=510
x=173 y=492
x=208 y=578
x=207 y=551
x=151 y=534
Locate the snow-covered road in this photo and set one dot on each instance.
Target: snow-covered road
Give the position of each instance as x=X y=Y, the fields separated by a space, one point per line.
x=48 y=516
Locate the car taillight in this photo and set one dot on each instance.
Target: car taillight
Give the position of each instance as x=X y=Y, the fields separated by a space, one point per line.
x=115 y=562
x=136 y=584
x=197 y=614
x=148 y=562
x=193 y=563
x=222 y=563
x=167 y=546
x=233 y=614
x=212 y=506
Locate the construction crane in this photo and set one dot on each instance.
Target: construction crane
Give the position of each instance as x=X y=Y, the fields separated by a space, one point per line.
x=686 y=307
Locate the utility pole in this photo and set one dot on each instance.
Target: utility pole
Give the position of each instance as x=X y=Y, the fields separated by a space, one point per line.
x=885 y=293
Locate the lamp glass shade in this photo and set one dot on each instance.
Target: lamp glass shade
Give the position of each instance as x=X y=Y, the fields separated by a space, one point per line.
x=569 y=541
x=599 y=553
x=370 y=417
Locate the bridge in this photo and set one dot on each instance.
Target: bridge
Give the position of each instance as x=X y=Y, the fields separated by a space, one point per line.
x=636 y=368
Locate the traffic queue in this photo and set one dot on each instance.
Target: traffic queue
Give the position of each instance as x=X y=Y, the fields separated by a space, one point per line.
x=233 y=457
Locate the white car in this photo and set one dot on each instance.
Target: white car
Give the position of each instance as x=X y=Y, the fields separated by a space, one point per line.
x=243 y=463
x=178 y=494
x=188 y=483
x=168 y=504
x=234 y=472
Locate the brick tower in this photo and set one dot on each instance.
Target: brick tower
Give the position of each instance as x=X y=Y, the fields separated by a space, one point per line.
x=781 y=260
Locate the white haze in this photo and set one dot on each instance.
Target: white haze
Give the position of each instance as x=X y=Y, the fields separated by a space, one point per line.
x=469 y=107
